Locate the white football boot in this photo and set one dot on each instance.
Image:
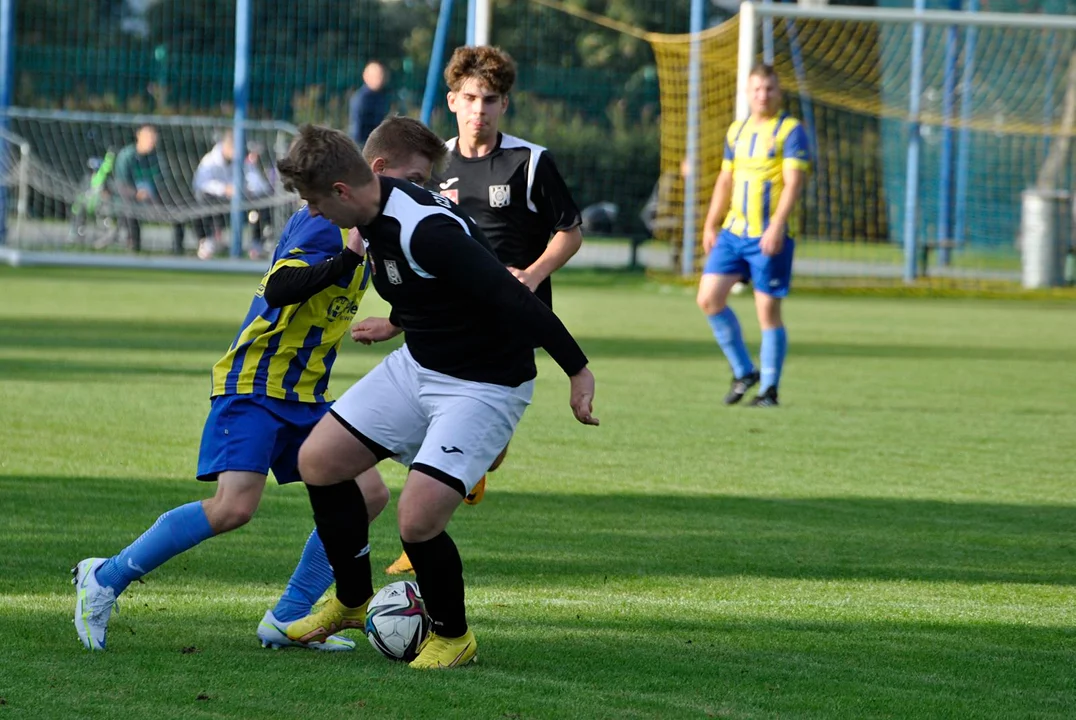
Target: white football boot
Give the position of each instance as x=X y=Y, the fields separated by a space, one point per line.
x=93 y=604
x=272 y=634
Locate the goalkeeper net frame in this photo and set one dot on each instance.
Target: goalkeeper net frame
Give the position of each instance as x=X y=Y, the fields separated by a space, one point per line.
x=928 y=128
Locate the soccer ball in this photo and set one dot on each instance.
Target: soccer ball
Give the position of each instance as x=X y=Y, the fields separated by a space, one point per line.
x=396 y=621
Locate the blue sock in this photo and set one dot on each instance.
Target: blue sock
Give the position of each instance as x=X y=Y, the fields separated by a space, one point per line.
x=178 y=530
x=312 y=577
x=729 y=337
x=772 y=356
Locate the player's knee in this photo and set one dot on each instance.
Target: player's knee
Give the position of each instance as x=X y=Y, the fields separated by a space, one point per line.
x=709 y=303
x=417 y=526
x=377 y=496
x=311 y=465
x=230 y=512
x=769 y=311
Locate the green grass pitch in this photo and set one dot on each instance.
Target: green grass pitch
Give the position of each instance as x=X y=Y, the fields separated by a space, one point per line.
x=898 y=540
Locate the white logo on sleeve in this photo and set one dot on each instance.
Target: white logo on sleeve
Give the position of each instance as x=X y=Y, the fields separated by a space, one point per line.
x=500 y=196
x=449 y=183
x=392 y=272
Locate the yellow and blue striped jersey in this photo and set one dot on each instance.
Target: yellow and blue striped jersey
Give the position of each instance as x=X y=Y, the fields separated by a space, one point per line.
x=287 y=352
x=757 y=154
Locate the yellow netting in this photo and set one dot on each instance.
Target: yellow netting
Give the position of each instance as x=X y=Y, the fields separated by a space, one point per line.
x=850 y=82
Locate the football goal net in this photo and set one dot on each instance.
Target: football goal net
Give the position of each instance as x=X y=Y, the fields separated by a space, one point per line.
x=934 y=134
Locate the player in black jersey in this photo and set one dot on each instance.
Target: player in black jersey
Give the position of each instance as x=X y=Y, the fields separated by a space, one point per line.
x=444 y=404
x=509 y=186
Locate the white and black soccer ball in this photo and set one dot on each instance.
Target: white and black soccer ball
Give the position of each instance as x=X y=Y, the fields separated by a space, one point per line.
x=396 y=621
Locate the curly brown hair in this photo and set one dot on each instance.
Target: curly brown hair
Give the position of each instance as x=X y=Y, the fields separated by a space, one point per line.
x=320 y=157
x=492 y=66
x=397 y=138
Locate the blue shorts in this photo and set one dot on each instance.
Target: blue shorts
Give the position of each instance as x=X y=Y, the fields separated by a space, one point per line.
x=255 y=433
x=735 y=255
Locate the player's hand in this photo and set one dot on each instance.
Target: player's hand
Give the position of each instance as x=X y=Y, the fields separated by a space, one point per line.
x=709 y=239
x=531 y=280
x=773 y=240
x=355 y=243
x=374 y=329
x=583 y=397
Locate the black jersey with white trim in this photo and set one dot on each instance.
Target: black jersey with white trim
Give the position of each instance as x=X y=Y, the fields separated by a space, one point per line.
x=515 y=194
x=463 y=314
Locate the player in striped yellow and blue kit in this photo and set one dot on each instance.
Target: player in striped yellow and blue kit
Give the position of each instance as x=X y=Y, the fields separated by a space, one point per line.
x=269 y=390
x=762 y=173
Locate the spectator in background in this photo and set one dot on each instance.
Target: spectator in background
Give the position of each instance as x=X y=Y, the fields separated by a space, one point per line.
x=369 y=104
x=213 y=185
x=136 y=179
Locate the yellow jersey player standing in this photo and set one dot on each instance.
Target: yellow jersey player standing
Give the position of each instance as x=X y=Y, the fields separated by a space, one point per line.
x=269 y=391
x=765 y=162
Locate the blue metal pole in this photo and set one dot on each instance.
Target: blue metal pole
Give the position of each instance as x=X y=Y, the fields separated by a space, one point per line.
x=472 y=20
x=691 y=182
x=911 y=188
x=239 y=130
x=963 y=147
x=767 y=37
x=7 y=84
x=437 y=57
x=945 y=171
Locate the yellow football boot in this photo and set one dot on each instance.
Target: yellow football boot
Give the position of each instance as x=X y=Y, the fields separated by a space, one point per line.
x=402 y=566
x=475 y=496
x=333 y=617
x=438 y=653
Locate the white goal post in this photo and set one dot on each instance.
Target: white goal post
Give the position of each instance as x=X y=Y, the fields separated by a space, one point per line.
x=978 y=88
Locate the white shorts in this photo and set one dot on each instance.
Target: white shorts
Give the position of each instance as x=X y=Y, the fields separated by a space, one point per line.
x=448 y=428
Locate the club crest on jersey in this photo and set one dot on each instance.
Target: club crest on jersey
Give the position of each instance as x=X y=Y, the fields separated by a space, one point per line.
x=392 y=272
x=453 y=195
x=500 y=196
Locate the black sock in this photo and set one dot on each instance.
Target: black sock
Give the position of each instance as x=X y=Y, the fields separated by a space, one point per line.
x=344 y=529
x=439 y=573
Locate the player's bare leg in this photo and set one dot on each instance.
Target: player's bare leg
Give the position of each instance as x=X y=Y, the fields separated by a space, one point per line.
x=402 y=565
x=237 y=498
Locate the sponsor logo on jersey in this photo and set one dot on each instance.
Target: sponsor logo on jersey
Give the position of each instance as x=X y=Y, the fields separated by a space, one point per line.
x=449 y=183
x=392 y=272
x=342 y=307
x=500 y=196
